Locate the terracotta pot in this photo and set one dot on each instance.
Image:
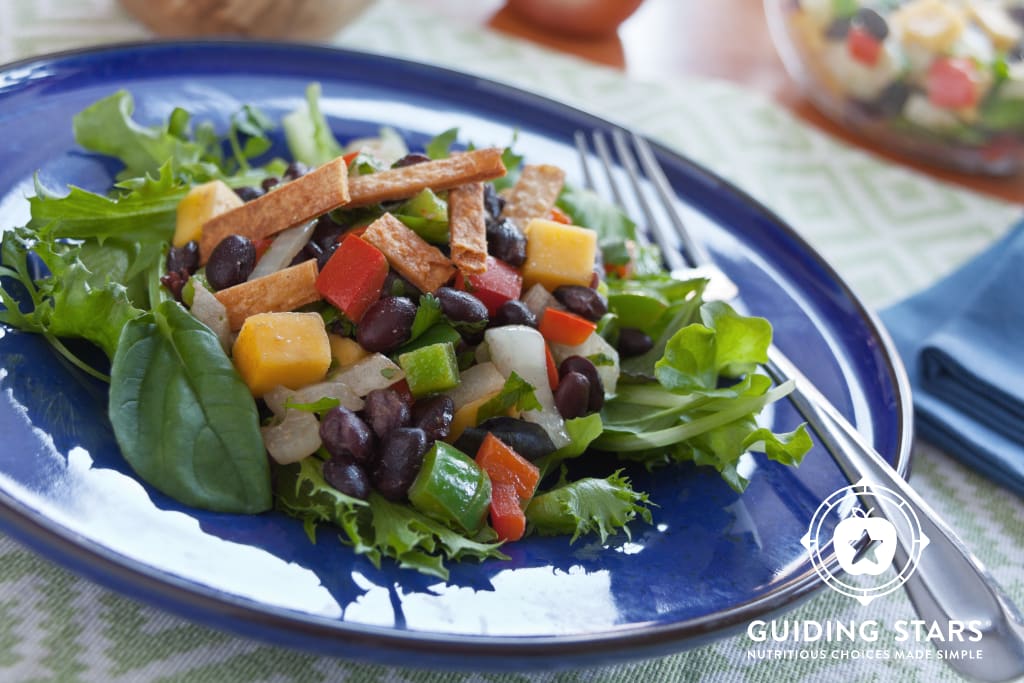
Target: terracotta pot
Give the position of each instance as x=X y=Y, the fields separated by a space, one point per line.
x=296 y=19
x=578 y=18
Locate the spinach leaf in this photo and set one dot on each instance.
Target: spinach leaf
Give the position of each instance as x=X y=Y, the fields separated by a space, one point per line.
x=183 y=418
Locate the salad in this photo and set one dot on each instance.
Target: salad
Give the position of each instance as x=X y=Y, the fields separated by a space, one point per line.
x=413 y=347
x=944 y=78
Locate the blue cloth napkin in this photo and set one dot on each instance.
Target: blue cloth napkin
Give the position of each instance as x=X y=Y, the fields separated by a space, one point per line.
x=962 y=341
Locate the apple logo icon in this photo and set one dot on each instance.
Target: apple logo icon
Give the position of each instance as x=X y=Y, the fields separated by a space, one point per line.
x=850 y=530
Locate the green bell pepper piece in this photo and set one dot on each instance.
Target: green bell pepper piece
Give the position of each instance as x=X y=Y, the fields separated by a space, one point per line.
x=451 y=488
x=430 y=369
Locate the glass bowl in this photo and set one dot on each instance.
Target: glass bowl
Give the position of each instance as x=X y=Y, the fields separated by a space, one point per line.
x=940 y=80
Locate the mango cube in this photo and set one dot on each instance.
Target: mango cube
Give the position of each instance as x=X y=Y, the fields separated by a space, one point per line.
x=346 y=351
x=202 y=203
x=558 y=254
x=465 y=417
x=290 y=349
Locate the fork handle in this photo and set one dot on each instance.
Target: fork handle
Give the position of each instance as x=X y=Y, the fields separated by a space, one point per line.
x=950 y=583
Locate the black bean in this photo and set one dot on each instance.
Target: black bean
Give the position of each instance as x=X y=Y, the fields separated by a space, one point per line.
x=586 y=368
x=175 y=281
x=525 y=438
x=296 y=169
x=411 y=159
x=327 y=231
x=583 y=301
x=325 y=254
x=838 y=29
x=400 y=459
x=387 y=324
x=872 y=22
x=269 y=183
x=505 y=242
x=572 y=395
x=231 y=262
x=514 y=312
x=311 y=250
x=460 y=307
x=185 y=257
x=891 y=100
x=434 y=416
x=633 y=342
x=345 y=434
x=347 y=476
x=396 y=285
x=386 y=411
x=493 y=202
x=248 y=193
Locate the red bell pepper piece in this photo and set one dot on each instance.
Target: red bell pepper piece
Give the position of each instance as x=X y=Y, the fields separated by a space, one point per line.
x=863 y=46
x=950 y=83
x=504 y=466
x=353 y=277
x=498 y=284
x=261 y=247
x=513 y=481
x=551 y=367
x=562 y=327
x=559 y=216
x=507 y=516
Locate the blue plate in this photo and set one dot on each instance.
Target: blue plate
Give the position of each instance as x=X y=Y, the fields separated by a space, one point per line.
x=712 y=560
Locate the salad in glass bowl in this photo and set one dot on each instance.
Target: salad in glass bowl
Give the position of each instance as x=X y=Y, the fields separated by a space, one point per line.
x=417 y=347
x=941 y=80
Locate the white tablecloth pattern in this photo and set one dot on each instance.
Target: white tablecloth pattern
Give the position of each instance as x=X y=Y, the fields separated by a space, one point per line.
x=887 y=230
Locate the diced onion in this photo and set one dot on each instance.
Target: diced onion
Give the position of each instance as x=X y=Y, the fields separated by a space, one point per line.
x=294 y=438
x=277 y=397
x=283 y=249
x=208 y=310
x=475 y=383
x=537 y=299
x=520 y=349
x=376 y=371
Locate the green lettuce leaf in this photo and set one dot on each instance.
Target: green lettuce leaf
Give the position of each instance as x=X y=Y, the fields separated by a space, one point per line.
x=582 y=432
x=308 y=133
x=107 y=127
x=589 y=505
x=376 y=528
x=144 y=212
x=71 y=301
x=516 y=393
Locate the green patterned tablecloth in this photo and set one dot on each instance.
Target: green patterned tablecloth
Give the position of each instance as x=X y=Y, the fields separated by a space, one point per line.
x=887 y=230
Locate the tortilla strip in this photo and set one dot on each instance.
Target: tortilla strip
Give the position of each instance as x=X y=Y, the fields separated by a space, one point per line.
x=417 y=261
x=467 y=226
x=438 y=175
x=281 y=291
x=534 y=194
x=319 y=191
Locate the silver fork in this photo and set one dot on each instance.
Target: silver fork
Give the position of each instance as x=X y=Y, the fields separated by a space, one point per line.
x=950 y=584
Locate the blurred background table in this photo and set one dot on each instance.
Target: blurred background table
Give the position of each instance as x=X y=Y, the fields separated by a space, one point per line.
x=725 y=39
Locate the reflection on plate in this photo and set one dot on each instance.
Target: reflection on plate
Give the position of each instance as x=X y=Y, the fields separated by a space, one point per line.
x=711 y=562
